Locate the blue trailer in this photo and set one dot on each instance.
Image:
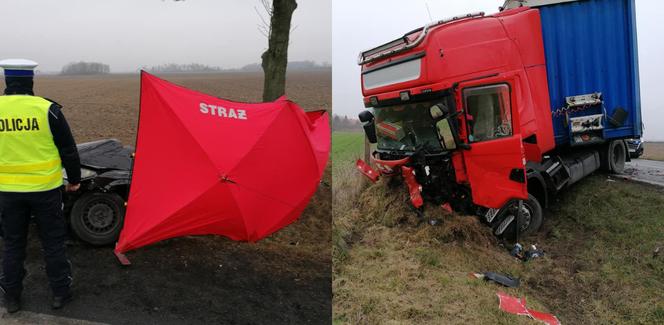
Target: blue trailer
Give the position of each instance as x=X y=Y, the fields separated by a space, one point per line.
x=591 y=49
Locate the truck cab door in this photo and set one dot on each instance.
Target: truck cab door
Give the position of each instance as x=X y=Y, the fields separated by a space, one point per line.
x=495 y=162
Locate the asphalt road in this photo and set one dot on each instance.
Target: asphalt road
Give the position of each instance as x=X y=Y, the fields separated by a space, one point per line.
x=646 y=171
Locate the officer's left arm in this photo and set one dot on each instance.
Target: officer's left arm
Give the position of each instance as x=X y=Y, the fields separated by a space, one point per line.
x=65 y=143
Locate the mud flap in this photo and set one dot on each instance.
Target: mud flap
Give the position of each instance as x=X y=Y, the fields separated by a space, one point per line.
x=367 y=171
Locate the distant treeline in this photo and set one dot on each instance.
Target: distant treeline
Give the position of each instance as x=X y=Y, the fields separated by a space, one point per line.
x=254 y=67
x=344 y=123
x=85 y=68
x=183 y=68
x=293 y=66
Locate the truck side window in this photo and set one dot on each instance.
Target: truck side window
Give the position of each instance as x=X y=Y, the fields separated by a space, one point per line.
x=490 y=112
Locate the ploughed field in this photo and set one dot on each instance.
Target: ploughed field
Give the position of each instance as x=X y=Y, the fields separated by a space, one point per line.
x=101 y=107
x=653 y=151
x=283 y=279
x=599 y=238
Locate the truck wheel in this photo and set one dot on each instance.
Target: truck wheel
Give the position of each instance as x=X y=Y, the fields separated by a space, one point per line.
x=617 y=156
x=97 y=218
x=504 y=225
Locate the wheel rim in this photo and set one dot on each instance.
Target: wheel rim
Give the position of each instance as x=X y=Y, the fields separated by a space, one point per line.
x=100 y=218
x=526 y=216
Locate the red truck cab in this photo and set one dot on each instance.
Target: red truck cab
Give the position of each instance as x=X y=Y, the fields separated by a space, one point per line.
x=492 y=115
x=461 y=107
x=492 y=68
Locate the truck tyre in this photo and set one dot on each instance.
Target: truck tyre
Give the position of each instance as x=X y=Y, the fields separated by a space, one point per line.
x=97 y=218
x=617 y=155
x=504 y=225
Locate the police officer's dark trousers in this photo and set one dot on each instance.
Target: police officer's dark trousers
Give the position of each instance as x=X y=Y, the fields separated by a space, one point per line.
x=46 y=208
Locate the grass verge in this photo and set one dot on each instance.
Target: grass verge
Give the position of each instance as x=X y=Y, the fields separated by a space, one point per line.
x=599 y=267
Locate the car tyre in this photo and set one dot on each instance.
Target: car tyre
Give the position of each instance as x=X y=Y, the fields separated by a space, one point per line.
x=97 y=218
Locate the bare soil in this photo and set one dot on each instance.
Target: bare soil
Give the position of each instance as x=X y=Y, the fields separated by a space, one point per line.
x=653 y=151
x=284 y=279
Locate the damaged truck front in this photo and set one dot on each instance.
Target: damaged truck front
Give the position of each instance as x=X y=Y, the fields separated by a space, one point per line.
x=492 y=115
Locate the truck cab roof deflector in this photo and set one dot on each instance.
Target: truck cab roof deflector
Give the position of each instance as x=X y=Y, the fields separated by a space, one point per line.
x=401 y=44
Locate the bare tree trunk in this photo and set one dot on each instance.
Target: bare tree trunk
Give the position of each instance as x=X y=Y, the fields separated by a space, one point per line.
x=275 y=58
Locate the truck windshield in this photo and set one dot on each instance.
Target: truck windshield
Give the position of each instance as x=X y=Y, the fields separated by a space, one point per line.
x=408 y=127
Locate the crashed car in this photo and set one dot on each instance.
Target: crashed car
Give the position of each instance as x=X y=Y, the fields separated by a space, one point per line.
x=635 y=147
x=96 y=211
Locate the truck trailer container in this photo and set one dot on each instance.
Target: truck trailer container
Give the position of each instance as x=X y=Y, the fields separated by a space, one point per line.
x=494 y=114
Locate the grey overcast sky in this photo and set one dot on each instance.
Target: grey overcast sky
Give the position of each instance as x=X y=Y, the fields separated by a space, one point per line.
x=128 y=34
x=360 y=25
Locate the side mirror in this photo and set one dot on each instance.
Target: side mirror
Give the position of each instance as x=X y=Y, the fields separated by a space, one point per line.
x=438 y=112
x=367 y=119
x=446 y=135
x=447 y=127
x=366 y=116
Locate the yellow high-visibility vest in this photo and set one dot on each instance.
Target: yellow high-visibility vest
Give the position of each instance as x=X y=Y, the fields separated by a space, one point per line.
x=29 y=159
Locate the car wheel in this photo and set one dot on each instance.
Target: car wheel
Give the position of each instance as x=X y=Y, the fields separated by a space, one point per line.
x=97 y=218
x=504 y=225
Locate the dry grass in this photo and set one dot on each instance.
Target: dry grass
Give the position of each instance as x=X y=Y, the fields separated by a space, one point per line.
x=598 y=269
x=395 y=271
x=653 y=151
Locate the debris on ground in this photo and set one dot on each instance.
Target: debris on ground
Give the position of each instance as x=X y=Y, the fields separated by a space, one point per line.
x=516 y=250
x=447 y=208
x=512 y=305
x=517 y=306
x=532 y=253
x=655 y=253
x=503 y=279
x=435 y=221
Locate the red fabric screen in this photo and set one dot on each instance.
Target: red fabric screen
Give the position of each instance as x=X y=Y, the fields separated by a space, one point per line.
x=205 y=165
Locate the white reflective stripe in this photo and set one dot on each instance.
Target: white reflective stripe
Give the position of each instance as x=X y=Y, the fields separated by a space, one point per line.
x=548 y=171
x=30 y=167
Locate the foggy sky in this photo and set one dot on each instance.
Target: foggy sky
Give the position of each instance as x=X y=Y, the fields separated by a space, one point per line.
x=128 y=34
x=361 y=25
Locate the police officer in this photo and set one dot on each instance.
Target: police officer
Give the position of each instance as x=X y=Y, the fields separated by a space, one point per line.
x=35 y=142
